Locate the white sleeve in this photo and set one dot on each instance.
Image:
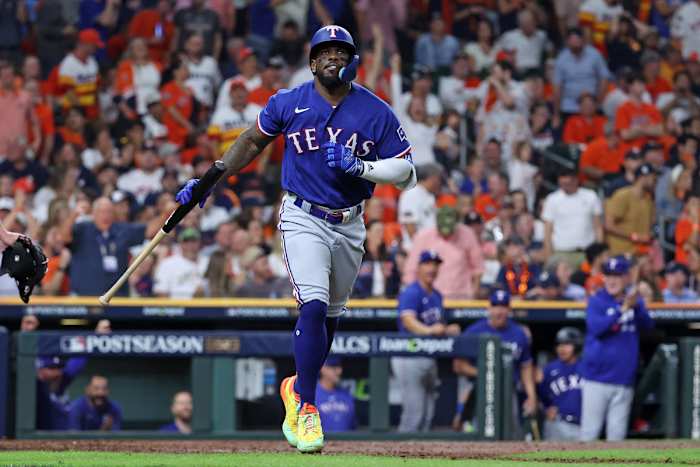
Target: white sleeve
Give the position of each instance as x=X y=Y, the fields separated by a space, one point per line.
x=223 y=92
x=396 y=170
x=160 y=279
x=597 y=205
x=547 y=214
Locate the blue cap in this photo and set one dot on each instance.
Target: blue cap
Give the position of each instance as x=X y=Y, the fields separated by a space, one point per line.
x=499 y=297
x=547 y=279
x=428 y=256
x=616 y=266
x=50 y=362
x=674 y=267
x=333 y=360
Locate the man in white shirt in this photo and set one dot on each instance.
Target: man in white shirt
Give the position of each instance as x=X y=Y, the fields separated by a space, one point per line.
x=573 y=220
x=178 y=276
x=453 y=89
x=417 y=208
x=685 y=27
x=229 y=121
x=422 y=83
x=204 y=71
x=146 y=178
x=528 y=43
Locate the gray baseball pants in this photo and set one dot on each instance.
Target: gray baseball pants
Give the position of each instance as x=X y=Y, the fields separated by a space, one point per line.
x=605 y=403
x=418 y=382
x=560 y=430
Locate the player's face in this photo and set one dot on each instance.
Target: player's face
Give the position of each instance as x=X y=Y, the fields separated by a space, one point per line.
x=98 y=391
x=566 y=352
x=327 y=64
x=498 y=315
x=182 y=406
x=615 y=285
x=427 y=272
x=332 y=374
x=29 y=323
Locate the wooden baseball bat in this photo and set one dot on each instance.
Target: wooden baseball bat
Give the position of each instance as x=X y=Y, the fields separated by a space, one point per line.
x=206 y=183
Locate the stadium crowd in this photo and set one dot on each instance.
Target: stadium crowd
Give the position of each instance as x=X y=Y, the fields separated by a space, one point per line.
x=548 y=137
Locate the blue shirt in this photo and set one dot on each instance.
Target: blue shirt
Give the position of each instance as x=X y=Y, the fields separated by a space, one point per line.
x=89 y=247
x=561 y=388
x=436 y=54
x=611 y=350
x=426 y=307
x=361 y=121
x=578 y=74
x=52 y=407
x=85 y=417
x=336 y=408
x=512 y=336
x=686 y=296
x=170 y=428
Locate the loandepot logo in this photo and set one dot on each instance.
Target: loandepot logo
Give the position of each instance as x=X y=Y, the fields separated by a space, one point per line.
x=416 y=345
x=137 y=343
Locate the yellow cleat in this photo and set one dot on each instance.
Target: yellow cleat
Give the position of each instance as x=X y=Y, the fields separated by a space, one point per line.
x=291 y=407
x=309 y=431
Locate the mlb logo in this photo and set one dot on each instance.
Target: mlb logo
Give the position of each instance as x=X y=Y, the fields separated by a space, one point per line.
x=401 y=133
x=73 y=344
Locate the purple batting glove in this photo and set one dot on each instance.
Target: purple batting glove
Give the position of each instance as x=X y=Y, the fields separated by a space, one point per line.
x=184 y=196
x=341 y=158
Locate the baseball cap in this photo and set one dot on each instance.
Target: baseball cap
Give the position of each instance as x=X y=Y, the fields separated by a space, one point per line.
x=473 y=218
x=7 y=203
x=421 y=71
x=152 y=98
x=244 y=53
x=574 y=31
x=616 y=266
x=237 y=83
x=514 y=240
x=649 y=56
x=499 y=297
x=333 y=360
x=546 y=280
x=675 y=266
x=633 y=154
x=90 y=36
x=53 y=361
x=275 y=62
x=566 y=172
x=644 y=169
x=652 y=146
x=429 y=256
x=190 y=233
x=118 y=196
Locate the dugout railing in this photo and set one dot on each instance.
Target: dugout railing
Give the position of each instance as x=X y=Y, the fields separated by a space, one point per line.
x=212 y=376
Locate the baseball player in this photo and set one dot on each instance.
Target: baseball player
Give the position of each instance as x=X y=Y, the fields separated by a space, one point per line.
x=340 y=139
x=560 y=388
x=23 y=260
x=613 y=318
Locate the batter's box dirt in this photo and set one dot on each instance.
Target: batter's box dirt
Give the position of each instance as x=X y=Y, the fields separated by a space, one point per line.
x=425 y=449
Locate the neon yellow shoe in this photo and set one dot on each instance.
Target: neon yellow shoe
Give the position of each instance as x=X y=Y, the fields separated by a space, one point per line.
x=291 y=407
x=310 y=433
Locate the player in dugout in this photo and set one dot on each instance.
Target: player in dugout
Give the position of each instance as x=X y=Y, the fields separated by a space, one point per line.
x=95 y=410
x=181 y=408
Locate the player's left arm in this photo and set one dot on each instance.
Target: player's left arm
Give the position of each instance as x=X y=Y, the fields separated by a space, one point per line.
x=527 y=377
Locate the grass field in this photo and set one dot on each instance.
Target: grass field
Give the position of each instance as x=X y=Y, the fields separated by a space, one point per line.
x=613 y=457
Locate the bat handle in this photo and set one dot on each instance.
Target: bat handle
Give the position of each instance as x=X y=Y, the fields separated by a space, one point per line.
x=105 y=299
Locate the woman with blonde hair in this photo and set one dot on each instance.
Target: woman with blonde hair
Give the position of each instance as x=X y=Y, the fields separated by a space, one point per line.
x=138 y=80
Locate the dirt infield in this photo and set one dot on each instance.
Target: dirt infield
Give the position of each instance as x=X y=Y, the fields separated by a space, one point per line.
x=453 y=450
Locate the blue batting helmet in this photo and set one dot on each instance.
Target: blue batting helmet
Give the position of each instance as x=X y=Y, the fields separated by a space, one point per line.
x=332 y=34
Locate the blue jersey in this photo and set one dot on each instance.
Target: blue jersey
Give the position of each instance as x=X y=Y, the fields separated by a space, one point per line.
x=169 y=428
x=561 y=388
x=512 y=336
x=85 y=417
x=336 y=408
x=361 y=121
x=427 y=307
x=52 y=406
x=611 y=349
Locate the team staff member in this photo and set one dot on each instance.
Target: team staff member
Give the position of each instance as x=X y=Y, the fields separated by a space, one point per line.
x=336 y=405
x=614 y=316
x=512 y=335
x=421 y=314
x=340 y=139
x=560 y=388
x=95 y=411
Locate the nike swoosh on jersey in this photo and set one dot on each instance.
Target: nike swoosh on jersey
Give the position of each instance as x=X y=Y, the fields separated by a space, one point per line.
x=297 y=110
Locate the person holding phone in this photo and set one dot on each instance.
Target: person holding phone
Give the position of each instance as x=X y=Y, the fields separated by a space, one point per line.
x=614 y=317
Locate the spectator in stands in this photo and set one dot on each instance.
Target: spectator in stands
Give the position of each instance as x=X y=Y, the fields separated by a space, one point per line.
x=676 y=290
x=219 y=281
x=198 y=19
x=261 y=281
x=181 y=408
x=54 y=375
x=490 y=203
x=482 y=51
x=527 y=43
x=636 y=121
x=55 y=33
x=512 y=334
x=16 y=111
x=569 y=290
x=614 y=318
x=587 y=125
x=630 y=216
x=417 y=206
x=603 y=157
x=145 y=179
x=78 y=75
x=548 y=288
x=289 y=44
x=651 y=72
x=178 y=102
x=632 y=162
x=559 y=388
x=597 y=17
x=680 y=102
x=521 y=172
x=670 y=193
x=436 y=49
x=462 y=265
x=32 y=174
x=517 y=274
x=154 y=25
x=204 y=77
x=336 y=406
x=421 y=89
x=376 y=277
x=95 y=411
x=474 y=182
x=29 y=323
x=56 y=281
x=100 y=247
x=684 y=28
x=179 y=276
x=138 y=78
x=623 y=46
x=420 y=313
x=572 y=217
x=579 y=68
x=541 y=126
x=455 y=90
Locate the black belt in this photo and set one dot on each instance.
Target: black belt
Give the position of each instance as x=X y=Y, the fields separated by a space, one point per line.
x=335 y=217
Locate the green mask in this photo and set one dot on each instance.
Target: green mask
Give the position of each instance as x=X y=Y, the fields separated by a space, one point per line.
x=446 y=220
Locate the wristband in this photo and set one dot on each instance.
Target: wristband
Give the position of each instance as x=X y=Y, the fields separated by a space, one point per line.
x=460 y=407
